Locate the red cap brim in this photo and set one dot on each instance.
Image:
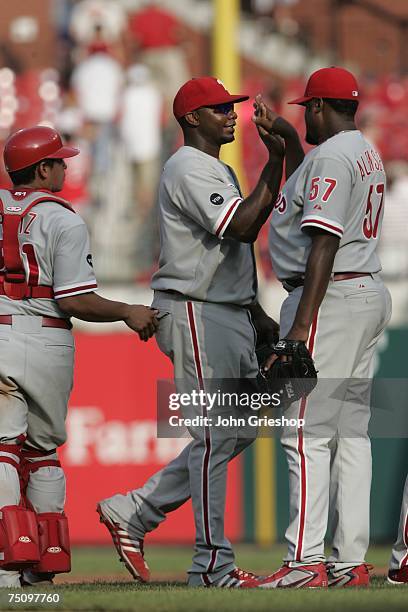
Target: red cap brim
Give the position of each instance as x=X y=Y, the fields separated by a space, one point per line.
x=301 y=100
x=238 y=98
x=224 y=99
x=64 y=152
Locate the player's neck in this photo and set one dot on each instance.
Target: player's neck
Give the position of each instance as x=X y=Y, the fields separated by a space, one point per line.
x=202 y=145
x=336 y=127
x=34 y=186
x=26 y=187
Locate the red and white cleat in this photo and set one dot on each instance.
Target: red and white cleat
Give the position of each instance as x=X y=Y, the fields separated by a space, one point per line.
x=130 y=550
x=358 y=576
x=235 y=579
x=300 y=577
x=399 y=576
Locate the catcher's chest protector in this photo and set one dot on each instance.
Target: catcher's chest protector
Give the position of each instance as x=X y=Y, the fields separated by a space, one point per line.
x=14 y=206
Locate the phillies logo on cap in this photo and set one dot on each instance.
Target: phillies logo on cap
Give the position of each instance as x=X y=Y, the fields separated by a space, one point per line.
x=202 y=91
x=334 y=82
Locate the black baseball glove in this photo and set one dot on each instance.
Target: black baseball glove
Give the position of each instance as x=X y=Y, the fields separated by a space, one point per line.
x=292 y=379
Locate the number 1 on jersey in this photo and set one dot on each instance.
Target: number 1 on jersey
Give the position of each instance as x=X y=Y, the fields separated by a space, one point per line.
x=33 y=269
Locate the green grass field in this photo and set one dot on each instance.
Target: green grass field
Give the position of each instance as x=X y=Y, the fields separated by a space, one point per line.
x=99 y=582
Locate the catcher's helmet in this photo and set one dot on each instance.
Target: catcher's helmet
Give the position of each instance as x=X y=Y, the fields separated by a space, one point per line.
x=30 y=145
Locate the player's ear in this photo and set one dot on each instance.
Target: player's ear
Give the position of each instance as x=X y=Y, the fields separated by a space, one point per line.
x=192 y=118
x=318 y=104
x=42 y=170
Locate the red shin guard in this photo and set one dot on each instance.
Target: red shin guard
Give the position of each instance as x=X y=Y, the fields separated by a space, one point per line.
x=19 y=539
x=55 y=550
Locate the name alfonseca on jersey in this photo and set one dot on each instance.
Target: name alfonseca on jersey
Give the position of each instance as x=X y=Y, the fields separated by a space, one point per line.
x=368 y=163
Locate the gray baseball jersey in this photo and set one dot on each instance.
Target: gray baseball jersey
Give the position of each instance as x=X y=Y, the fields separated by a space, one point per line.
x=339 y=187
x=203 y=282
x=198 y=196
x=36 y=365
x=55 y=250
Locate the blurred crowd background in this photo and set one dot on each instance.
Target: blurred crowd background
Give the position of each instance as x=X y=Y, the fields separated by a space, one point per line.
x=104 y=73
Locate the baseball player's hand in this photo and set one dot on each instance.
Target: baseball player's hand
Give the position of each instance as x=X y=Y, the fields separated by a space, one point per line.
x=267 y=330
x=271 y=121
x=264 y=120
x=142 y=320
x=271 y=360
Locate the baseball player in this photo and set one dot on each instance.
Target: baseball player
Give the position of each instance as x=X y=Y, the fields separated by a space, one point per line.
x=324 y=233
x=207 y=286
x=398 y=572
x=46 y=276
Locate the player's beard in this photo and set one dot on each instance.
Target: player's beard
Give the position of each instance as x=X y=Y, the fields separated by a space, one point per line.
x=311 y=138
x=226 y=138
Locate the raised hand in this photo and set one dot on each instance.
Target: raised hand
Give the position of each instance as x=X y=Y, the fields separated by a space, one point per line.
x=264 y=119
x=271 y=121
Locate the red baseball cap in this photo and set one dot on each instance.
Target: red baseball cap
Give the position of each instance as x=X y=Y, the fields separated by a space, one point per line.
x=203 y=91
x=333 y=82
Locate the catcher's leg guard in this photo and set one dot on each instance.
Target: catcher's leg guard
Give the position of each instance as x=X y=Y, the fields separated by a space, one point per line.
x=18 y=525
x=46 y=492
x=54 y=544
x=19 y=540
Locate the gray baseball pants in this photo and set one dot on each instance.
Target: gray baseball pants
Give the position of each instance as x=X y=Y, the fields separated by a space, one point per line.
x=329 y=458
x=204 y=341
x=36 y=373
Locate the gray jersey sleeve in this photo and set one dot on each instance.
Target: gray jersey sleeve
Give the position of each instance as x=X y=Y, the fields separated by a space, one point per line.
x=208 y=199
x=327 y=195
x=73 y=272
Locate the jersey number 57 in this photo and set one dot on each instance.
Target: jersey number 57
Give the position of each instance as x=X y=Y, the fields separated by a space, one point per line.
x=370 y=224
